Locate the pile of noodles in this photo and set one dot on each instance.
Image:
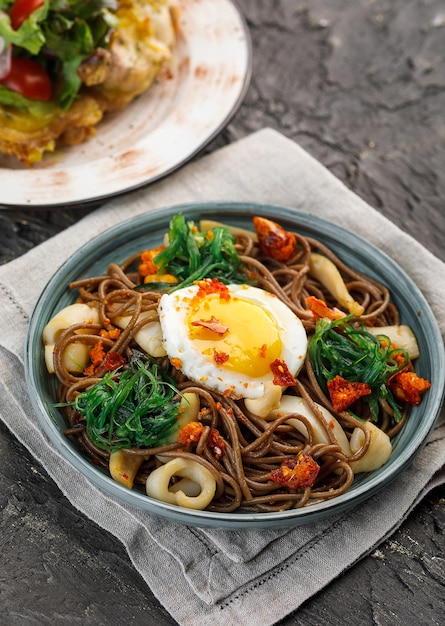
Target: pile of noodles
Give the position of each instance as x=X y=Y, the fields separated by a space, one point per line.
x=253 y=447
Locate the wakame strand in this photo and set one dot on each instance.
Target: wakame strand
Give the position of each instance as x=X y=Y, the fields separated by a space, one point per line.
x=131 y=408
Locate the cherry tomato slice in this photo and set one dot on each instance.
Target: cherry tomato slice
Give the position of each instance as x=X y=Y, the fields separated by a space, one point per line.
x=29 y=79
x=22 y=9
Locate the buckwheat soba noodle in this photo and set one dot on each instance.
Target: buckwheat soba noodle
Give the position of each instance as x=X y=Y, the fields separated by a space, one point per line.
x=233 y=370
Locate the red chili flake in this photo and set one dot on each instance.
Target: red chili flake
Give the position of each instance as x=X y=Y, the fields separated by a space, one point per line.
x=220 y=357
x=282 y=375
x=125 y=476
x=177 y=363
x=320 y=309
x=398 y=357
x=262 y=351
x=147 y=266
x=113 y=333
x=113 y=360
x=301 y=471
x=97 y=355
x=190 y=433
x=212 y=324
x=344 y=392
x=209 y=286
x=216 y=444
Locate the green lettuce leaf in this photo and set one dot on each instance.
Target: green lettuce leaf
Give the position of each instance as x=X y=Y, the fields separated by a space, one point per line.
x=29 y=36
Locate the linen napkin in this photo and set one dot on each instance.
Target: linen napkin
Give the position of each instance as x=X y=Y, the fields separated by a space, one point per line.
x=215 y=576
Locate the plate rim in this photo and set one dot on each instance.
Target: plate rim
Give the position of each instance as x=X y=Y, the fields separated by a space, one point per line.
x=86 y=200
x=241 y=521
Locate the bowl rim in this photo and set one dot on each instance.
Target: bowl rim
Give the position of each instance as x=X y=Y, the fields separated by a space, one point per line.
x=236 y=211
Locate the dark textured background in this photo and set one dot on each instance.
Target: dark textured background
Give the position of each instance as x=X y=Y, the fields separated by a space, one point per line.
x=361 y=86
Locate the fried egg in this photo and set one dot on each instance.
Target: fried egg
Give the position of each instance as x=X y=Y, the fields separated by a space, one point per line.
x=231 y=338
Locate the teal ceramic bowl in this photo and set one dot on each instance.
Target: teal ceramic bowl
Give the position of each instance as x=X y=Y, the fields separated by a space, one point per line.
x=147 y=231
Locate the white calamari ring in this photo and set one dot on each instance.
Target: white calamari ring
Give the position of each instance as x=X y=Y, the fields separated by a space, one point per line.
x=157 y=485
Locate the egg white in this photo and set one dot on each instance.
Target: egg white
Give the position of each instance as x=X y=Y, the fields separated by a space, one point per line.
x=173 y=311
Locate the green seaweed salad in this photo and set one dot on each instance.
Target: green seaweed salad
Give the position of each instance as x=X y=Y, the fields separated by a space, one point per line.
x=193 y=255
x=138 y=407
x=339 y=348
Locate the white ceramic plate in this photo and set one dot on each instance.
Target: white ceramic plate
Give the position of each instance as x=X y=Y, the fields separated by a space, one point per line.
x=157 y=133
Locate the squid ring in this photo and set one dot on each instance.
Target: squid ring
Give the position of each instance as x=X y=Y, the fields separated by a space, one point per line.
x=157 y=485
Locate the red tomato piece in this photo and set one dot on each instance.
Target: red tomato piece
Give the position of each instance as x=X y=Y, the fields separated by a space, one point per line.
x=21 y=10
x=29 y=79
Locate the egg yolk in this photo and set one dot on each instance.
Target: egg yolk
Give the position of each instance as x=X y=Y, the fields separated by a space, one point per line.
x=236 y=334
